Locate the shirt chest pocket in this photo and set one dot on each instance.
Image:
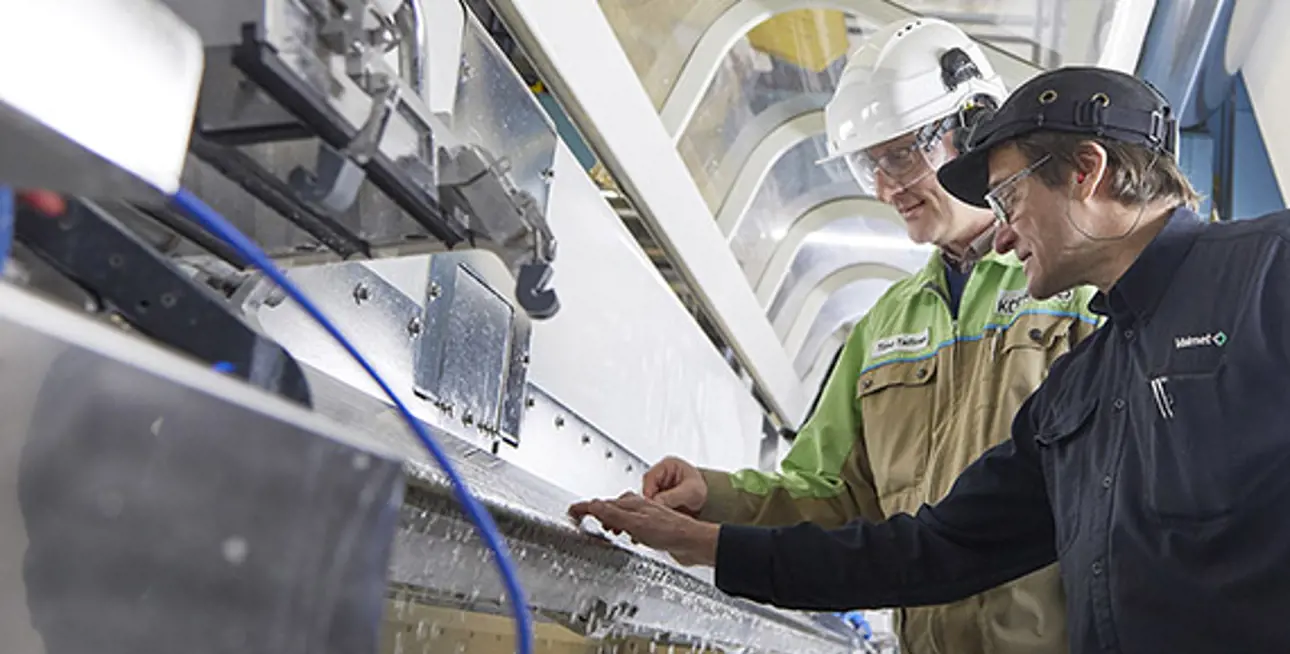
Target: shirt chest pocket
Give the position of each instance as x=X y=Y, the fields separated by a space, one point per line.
x=1039 y=334
x=1024 y=352
x=1064 y=453
x=1193 y=453
x=899 y=409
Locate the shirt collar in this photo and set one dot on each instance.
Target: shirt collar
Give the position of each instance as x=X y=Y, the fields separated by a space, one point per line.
x=1137 y=293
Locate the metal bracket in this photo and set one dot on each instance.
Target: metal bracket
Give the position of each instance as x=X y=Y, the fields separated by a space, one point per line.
x=149 y=293
x=473 y=183
x=338 y=176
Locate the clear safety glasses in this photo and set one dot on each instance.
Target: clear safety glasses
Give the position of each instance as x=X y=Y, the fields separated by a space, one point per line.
x=900 y=166
x=1003 y=197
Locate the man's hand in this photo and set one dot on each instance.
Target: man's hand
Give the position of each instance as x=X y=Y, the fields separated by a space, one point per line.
x=676 y=485
x=689 y=541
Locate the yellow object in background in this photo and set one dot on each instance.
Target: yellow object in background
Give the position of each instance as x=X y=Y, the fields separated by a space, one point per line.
x=809 y=38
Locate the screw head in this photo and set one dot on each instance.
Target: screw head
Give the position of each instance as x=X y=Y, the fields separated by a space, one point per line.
x=362 y=293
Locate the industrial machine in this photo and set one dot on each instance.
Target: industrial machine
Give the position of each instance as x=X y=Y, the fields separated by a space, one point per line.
x=189 y=463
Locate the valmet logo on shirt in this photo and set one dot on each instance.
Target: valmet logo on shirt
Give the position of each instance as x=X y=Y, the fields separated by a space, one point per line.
x=1216 y=339
x=901 y=343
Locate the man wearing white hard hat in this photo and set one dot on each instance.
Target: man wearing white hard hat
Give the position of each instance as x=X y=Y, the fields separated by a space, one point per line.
x=930 y=378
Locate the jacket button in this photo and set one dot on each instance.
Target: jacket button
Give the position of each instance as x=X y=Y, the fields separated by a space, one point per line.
x=1106 y=482
x=1036 y=335
x=1097 y=568
x=1118 y=404
x=920 y=373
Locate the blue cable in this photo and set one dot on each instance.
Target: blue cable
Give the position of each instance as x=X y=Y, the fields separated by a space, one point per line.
x=6 y=224
x=214 y=223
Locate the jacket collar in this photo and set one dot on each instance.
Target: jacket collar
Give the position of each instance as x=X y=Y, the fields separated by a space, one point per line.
x=934 y=271
x=1137 y=293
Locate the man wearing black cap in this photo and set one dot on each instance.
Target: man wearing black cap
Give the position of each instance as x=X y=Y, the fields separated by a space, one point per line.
x=1153 y=463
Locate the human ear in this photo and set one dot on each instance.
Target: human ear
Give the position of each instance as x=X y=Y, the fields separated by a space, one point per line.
x=1090 y=170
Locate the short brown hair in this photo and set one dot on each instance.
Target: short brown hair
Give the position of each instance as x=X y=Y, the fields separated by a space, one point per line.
x=1137 y=175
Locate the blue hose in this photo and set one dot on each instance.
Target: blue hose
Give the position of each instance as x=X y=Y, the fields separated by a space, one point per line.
x=214 y=223
x=6 y=224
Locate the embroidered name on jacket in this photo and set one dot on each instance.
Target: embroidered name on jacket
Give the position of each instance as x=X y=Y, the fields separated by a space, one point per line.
x=901 y=343
x=1010 y=301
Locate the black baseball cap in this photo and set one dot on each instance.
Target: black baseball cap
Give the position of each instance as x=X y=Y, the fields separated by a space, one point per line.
x=1075 y=99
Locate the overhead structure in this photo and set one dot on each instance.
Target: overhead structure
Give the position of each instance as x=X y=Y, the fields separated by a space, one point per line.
x=744 y=112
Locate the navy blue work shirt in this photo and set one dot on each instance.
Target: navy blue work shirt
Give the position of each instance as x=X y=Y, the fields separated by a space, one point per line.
x=1153 y=463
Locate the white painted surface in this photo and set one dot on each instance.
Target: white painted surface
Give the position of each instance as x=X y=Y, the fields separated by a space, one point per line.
x=597 y=84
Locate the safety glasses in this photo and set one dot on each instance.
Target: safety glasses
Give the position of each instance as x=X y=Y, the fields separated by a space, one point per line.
x=901 y=166
x=1002 y=197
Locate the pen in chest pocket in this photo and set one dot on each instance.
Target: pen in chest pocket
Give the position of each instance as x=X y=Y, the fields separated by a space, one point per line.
x=1164 y=401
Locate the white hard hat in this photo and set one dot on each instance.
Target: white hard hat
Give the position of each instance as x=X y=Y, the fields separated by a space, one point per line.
x=905 y=76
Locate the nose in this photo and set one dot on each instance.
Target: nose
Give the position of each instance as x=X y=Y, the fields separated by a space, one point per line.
x=1004 y=238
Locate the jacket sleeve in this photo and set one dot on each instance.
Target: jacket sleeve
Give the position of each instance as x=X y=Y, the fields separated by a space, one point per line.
x=826 y=476
x=994 y=526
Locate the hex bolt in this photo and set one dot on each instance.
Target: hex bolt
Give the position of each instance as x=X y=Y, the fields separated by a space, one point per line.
x=415 y=326
x=362 y=293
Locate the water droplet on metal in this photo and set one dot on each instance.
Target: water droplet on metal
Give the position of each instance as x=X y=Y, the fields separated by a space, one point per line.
x=235 y=550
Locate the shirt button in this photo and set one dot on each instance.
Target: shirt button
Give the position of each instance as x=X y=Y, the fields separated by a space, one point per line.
x=1097 y=568
x=1036 y=335
x=1128 y=334
x=920 y=373
x=1106 y=482
x=867 y=383
x=1118 y=404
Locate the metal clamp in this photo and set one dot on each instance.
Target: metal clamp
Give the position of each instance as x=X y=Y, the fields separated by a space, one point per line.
x=338 y=176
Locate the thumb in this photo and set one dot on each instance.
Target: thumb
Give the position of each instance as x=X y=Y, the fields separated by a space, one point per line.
x=681 y=497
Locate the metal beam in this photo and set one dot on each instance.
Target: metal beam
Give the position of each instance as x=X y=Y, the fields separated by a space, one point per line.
x=815 y=299
x=700 y=69
x=752 y=174
x=817 y=218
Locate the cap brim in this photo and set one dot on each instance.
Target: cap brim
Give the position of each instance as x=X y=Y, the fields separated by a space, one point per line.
x=967 y=177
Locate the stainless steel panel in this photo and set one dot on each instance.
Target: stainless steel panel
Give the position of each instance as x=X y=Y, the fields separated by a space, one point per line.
x=496 y=110
x=148 y=505
x=559 y=444
x=598 y=588
x=53 y=139
x=473 y=350
x=623 y=353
